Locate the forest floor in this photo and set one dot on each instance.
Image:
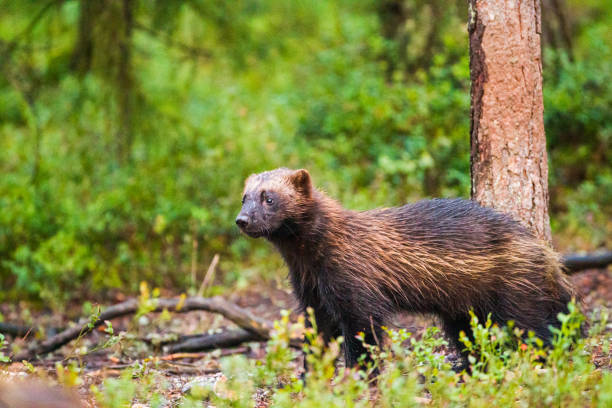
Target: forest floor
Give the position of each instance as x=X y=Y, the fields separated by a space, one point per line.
x=140 y=339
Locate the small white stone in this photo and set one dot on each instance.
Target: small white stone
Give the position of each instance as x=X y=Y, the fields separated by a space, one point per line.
x=208 y=381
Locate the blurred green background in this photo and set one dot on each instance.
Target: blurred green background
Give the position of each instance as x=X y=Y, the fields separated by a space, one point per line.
x=127 y=128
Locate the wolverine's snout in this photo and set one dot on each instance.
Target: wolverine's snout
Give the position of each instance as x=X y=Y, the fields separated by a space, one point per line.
x=242 y=221
x=247 y=221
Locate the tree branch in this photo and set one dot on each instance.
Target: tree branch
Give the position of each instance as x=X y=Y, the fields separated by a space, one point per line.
x=12 y=44
x=193 y=51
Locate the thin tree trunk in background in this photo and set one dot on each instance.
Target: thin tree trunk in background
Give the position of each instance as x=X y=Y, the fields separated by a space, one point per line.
x=508 y=157
x=557 y=31
x=433 y=39
x=392 y=16
x=564 y=27
x=125 y=83
x=82 y=54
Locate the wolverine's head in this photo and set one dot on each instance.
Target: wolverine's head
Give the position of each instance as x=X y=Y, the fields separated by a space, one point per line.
x=273 y=201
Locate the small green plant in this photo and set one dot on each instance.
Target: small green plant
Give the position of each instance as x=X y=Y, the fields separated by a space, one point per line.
x=147 y=301
x=140 y=386
x=68 y=376
x=3 y=345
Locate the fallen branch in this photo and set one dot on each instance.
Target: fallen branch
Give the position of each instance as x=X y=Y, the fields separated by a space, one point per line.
x=575 y=263
x=204 y=342
x=255 y=326
x=16 y=330
x=225 y=339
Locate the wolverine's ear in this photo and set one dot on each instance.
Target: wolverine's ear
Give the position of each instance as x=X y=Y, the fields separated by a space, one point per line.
x=301 y=181
x=250 y=178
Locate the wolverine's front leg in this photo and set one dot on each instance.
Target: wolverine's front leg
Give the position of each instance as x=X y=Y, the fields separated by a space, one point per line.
x=326 y=327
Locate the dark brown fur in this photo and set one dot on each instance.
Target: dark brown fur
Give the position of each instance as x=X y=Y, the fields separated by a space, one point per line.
x=446 y=257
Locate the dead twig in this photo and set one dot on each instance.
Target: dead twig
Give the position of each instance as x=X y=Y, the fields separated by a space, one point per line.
x=194 y=259
x=209 y=275
x=181 y=356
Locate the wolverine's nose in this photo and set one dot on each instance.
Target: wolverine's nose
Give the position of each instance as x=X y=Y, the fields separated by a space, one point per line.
x=242 y=221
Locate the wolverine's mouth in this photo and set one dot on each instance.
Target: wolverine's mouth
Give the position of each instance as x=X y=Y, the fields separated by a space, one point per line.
x=252 y=233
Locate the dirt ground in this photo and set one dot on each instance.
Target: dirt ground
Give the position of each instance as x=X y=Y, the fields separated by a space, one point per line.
x=142 y=344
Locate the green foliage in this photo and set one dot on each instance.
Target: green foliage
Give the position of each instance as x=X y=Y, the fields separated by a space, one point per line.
x=217 y=90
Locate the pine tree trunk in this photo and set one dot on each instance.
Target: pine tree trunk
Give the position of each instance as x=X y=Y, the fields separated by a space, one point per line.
x=508 y=157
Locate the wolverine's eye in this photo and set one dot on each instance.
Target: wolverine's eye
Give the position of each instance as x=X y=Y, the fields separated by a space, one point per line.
x=265 y=197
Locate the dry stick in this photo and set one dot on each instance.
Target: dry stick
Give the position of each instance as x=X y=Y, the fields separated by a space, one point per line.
x=194 y=259
x=180 y=356
x=242 y=317
x=209 y=274
x=225 y=339
x=195 y=356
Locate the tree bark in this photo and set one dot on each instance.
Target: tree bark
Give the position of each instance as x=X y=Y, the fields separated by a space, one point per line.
x=508 y=156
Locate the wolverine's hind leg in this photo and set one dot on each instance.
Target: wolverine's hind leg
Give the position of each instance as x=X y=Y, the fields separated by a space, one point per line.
x=453 y=326
x=354 y=348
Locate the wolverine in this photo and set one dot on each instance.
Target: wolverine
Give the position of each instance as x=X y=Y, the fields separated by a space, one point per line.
x=445 y=257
